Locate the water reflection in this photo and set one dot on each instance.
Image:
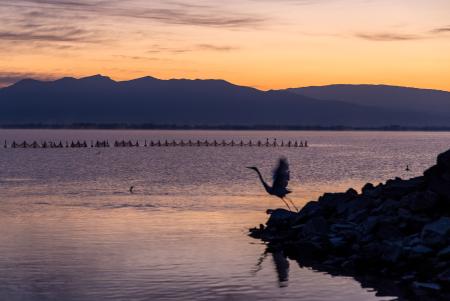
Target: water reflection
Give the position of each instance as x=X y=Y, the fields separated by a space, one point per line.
x=384 y=287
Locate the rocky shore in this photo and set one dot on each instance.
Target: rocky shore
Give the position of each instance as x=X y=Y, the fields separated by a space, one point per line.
x=398 y=230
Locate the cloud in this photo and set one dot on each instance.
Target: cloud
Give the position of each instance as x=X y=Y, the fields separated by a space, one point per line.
x=215 y=47
x=167 y=12
x=199 y=47
x=441 y=30
x=386 y=36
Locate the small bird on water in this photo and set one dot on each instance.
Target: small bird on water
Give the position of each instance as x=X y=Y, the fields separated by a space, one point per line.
x=280 y=181
x=407 y=168
x=131 y=189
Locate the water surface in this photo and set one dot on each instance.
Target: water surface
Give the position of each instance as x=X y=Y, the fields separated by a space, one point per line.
x=70 y=230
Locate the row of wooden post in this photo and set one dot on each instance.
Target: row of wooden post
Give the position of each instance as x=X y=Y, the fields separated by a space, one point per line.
x=151 y=143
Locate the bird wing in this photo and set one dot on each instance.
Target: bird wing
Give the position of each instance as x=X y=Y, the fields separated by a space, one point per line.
x=281 y=175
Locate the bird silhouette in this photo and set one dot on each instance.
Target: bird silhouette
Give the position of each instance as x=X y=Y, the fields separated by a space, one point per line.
x=131 y=189
x=280 y=181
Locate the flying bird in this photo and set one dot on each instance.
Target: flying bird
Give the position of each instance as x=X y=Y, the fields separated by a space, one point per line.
x=280 y=182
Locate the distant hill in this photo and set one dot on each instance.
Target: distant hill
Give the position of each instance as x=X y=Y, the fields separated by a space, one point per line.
x=382 y=96
x=98 y=99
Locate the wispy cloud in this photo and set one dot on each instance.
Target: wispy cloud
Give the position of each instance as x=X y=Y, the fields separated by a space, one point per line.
x=439 y=30
x=388 y=36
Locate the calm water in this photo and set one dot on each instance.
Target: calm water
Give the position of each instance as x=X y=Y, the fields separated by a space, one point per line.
x=70 y=230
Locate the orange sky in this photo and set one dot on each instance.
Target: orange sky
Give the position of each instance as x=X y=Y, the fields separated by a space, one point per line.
x=268 y=44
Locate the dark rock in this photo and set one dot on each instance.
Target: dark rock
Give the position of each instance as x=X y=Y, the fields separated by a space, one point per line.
x=427 y=286
x=419 y=251
x=280 y=217
x=444 y=277
x=443 y=160
x=444 y=253
x=420 y=201
x=367 y=188
x=398 y=187
x=440 y=186
x=311 y=209
x=388 y=228
x=315 y=226
x=391 y=252
x=436 y=233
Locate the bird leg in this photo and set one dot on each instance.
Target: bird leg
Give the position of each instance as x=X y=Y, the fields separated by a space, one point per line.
x=286 y=204
x=292 y=202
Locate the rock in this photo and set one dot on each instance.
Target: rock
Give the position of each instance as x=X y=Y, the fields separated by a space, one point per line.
x=436 y=233
x=337 y=242
x=315 y=226
x=420 y=201
x=388 y=228
x=369 y=225
x=398 y=187
x=443 y=160
x=427 y=286
x=444 y=277
x=358 y=216
x=311 y=209
x=391 y=252
x=388 y=206
x=367 y=188
x=440 y=186
x=444 y=253
x=419 y=251
x=330 y=201
x=280 y=217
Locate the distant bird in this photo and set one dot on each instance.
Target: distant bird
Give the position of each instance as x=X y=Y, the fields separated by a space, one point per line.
x=407 y=168
x=131 y=189
x=280 y=182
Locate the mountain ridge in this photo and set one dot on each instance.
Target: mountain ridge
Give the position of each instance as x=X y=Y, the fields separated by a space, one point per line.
x=99 y=99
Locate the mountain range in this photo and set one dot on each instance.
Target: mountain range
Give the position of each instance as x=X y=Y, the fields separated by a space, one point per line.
x=99 y=99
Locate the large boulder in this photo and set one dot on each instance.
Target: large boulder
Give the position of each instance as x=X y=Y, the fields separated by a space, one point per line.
x=436 y=233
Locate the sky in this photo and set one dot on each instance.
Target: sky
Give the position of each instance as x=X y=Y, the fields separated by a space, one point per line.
x=267 y=44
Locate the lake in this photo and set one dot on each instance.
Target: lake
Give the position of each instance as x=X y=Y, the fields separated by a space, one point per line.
x=71 y=230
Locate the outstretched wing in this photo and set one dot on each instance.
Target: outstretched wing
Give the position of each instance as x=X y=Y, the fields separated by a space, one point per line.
x=281 y=175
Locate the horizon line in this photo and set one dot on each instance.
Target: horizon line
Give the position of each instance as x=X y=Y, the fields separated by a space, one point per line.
x=213 y=79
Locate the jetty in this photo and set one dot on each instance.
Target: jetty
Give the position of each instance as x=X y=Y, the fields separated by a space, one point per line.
x=398 y=230
x=154 y=143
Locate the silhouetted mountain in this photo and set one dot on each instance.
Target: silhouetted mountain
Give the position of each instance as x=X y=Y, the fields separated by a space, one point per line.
x=382 y=96
x=98 y=99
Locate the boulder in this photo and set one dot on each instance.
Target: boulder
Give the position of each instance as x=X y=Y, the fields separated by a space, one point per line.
x=436 y=233
x=427 y=286
x=280 y=217
x=444 y=277
x=444 y=253
x=443 y=160
x=420 y=201
x=315 y=226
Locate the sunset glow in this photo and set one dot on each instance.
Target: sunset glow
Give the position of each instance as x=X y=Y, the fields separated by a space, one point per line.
x=268 y=44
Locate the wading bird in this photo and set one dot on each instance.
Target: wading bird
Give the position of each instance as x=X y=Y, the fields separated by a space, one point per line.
x=280 y=182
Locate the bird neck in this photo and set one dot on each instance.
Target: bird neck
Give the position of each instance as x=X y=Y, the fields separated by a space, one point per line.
x=266 y=187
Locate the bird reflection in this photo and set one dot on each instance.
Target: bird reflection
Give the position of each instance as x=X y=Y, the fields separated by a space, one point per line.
x=280 y=181
x=281 y=265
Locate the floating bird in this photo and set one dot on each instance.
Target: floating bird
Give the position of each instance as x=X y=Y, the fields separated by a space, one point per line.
x=280 y=181
x=131 y=189
x=407 y=168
